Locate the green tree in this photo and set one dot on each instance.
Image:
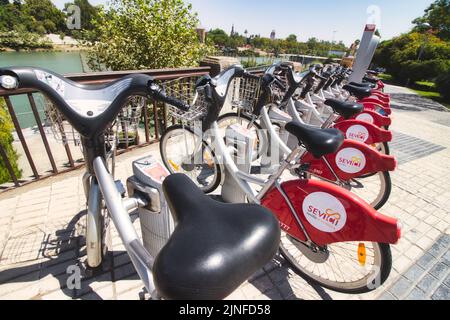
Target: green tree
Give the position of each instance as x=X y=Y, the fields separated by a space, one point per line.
x=292 y=38
x=218 y=37
x=6 y=140
x=400 y=56
x=140 y=34
x=438 y=16
x=47 y=13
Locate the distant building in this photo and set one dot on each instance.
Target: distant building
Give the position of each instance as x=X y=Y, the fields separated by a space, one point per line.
x=272 y=35
x=232 y=31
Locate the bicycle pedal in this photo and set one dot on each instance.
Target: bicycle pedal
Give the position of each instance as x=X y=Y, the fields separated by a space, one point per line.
x=121 y=188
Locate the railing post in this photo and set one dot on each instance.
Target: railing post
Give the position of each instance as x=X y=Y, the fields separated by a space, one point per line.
x=155 y=120
x=42 y=132
x=9 y=166
x=146 y=123
x=21 y=137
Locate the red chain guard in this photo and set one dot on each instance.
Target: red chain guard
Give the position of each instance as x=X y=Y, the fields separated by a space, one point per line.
x=354 y=159
x=363 y=132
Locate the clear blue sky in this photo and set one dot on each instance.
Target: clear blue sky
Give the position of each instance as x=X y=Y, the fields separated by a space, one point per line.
x=306 y=19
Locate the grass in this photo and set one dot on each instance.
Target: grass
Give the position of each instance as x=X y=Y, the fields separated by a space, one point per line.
x=385 y=77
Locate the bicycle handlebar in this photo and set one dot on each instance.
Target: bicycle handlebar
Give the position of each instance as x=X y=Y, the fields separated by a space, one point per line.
x=158 y=94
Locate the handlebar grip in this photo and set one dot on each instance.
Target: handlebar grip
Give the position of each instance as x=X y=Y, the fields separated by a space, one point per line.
x=158 y=94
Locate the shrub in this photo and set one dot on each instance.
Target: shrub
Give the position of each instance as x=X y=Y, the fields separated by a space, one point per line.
x=422 y=70
x=6 y=140
x=23 y=41
x=443 y=85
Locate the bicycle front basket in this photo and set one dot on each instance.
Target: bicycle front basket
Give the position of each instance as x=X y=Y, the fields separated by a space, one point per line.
x=184 y=89
x=245 y=93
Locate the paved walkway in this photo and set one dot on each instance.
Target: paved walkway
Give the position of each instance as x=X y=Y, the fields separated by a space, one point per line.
x=41 y=228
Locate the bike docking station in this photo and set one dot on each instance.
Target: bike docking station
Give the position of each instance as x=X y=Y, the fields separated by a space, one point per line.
x=239 y=141
x=156 y=220
x=366 y=51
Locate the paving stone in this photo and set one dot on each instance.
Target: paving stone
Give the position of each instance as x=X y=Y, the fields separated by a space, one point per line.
x=387 y=296
x=428 y=283
x=414 y=253
x=416 y=294
x=401 y=288
x=442 y=293
x=437 y=250
x=444 y=241
x=414 y=273
x=439 y=270
x=427 y=260
x=262 y=283
x=447 y=281
x=446 y=258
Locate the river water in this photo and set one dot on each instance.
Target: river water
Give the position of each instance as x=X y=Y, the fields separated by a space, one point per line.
x=60 y=62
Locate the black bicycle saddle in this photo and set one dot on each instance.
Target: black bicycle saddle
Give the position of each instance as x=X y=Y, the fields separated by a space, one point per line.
x=345 y=109
x=358 y=92
x=319 y=142
x=215 y=246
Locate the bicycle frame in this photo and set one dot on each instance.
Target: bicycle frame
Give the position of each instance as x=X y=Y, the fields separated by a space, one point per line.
x=342 y=166
x=99 y=186
x=286 y=201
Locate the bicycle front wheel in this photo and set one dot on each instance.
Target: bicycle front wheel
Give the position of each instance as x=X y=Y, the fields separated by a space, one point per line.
x=351 y=267
x=182 y=151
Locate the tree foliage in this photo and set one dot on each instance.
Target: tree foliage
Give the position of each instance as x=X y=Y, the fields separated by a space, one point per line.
x=290 y=45
x=38 y=16
x=438 y=16
x=6 y=140
x=140 y=34
x=400 y=56
x=443 y=84
x=23 y=41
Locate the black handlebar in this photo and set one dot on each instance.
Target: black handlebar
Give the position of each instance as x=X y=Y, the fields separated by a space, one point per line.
x=158 y=94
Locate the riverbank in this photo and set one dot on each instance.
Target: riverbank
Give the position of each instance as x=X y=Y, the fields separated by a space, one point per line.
x=59 y=48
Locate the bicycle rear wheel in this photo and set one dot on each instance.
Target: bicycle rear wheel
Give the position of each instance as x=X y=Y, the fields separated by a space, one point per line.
x=182 y=151
x=374 y=189
x=351 y=267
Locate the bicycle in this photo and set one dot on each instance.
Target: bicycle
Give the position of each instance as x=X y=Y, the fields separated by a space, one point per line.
x=230 y=242
x=321 y=222
x=368 y=177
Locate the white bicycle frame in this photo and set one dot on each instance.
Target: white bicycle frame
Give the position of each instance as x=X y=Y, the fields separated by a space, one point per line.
x=101 y=187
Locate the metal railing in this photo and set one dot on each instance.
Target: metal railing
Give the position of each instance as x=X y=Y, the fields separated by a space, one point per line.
x=154 y=119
